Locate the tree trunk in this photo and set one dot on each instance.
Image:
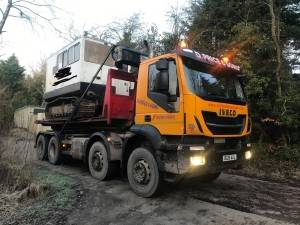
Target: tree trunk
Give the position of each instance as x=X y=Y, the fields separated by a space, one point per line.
x=276 y=38
x=5 y=15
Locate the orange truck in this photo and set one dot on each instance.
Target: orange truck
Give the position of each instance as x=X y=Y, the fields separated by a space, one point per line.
x=164 y=118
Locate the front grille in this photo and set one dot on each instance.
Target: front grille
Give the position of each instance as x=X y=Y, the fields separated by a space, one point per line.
x=224 y=125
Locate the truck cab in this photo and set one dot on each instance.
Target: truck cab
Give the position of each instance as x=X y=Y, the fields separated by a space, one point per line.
x=196 y=106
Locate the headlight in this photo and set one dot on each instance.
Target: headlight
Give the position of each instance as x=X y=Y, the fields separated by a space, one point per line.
x=248 y=155
x=197 y=160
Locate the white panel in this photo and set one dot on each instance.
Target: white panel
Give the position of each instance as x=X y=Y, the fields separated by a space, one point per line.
x=84 y=71
x=122 y=86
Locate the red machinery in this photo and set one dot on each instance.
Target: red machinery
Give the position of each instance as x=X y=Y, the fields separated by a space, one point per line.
x=117 y=106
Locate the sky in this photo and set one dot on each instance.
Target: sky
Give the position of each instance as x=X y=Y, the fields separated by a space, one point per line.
x=31 y=45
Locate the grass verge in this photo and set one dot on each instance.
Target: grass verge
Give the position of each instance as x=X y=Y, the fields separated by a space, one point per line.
x=273 y=163
x=54 y=197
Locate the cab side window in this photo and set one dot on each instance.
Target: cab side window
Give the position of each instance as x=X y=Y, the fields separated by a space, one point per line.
x=173 y=80
x=76 y=52
x=65 y=58
x=152 y=77
x=169 y=100
x=60 y=61
x=69 y=56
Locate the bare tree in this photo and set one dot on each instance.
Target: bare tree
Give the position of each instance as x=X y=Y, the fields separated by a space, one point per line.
x=31 y=11
x=127 y=32
x=130 y=32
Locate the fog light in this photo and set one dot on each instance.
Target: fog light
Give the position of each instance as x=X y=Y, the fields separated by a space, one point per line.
x=197 y=160
x=248 y=155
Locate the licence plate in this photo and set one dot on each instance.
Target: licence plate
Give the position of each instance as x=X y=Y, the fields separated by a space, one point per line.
x=227 y=158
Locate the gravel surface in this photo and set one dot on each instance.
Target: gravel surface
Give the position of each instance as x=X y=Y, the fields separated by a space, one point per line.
x=231 y=199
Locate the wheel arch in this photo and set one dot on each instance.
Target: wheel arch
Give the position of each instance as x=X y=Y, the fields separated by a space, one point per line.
x=150 y=133
x=141 y=134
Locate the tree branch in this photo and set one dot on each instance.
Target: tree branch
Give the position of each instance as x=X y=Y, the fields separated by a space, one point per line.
x=35 y=13
x=28 y=10
x=5 y=15
x=35 y=4
x=23 y=15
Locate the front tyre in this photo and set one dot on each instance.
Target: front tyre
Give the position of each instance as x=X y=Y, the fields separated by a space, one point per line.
x=142 y=173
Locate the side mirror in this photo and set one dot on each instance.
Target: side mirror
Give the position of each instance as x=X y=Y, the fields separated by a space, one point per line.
x=162 y=64
x=242 y=79
x=162 y=79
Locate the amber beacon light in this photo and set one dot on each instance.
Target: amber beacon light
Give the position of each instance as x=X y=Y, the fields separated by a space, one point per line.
x=225 y=60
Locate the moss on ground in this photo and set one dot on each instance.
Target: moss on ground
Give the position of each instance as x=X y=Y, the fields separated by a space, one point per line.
x=51 y=207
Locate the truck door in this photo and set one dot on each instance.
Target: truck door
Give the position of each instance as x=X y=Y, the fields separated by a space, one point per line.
x=162 y=109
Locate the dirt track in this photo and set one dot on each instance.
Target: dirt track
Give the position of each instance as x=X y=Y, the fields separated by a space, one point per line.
x=230 y=200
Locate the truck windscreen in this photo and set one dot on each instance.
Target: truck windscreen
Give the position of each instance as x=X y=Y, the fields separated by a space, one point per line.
x=213 y=85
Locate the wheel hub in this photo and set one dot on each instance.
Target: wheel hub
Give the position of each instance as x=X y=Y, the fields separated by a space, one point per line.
x=97 y=161
x=141 y=172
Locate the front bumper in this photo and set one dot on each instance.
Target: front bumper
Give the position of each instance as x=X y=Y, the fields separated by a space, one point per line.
x=178 y=161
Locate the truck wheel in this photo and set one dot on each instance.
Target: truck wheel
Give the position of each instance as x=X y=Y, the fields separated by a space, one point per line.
x=54 y=154
x=209 y=177
x=99 y=166
x=142 y=173
x=41 y=149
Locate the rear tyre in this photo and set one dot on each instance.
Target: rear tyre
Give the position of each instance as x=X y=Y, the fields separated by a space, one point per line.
x=99 y=166
x=54 y=154
x=42 y=147
x=209 y=177
x=143 y=174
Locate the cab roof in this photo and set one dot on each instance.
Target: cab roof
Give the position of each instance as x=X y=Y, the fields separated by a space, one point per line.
x=203 y=58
